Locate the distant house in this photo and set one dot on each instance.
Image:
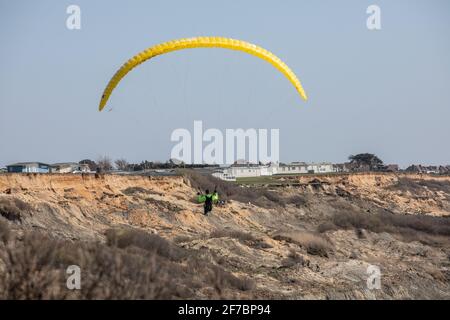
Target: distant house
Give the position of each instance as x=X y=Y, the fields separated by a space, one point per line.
x=392 y=167
x=69 y=167
x=243 y=171
x=302 y=168
x=414 y=168
x=247 y=170
x=432 y=169
x=323 y=167
x=176 y=162
x=224 y=175
x=343 y=167
x=428 y=169
x=354 y=167
x=293 y=168
x=3 y=170
x=36 y=167
x=444 y=169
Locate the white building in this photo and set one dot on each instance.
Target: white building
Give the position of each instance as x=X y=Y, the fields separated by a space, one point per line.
x=293 y=168
x=303 y=168
x=35 y=167
x=323 y=167
x=222 y=174
x=69 y=167
x=252 y=170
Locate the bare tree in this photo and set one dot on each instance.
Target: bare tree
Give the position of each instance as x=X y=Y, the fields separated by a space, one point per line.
x=121 y=164
x=104 y=163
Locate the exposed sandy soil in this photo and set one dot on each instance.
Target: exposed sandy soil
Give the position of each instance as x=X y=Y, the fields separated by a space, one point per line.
x=278 y=254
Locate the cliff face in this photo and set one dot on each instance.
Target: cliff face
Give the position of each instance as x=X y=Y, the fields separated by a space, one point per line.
x=315 y=241
x=80 y=206
x=401 y=193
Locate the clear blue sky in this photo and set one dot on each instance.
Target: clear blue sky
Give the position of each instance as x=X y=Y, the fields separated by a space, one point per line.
x=385 y=92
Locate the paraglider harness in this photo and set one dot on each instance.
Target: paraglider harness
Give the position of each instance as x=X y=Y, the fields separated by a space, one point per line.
x=208 y=199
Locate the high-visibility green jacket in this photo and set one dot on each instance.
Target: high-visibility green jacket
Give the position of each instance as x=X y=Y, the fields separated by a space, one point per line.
x=202 y=197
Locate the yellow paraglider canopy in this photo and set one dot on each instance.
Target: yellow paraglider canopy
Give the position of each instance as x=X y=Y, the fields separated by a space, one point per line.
x=200 y=42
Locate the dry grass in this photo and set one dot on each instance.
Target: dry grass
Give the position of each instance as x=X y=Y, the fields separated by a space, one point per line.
x=326 y=226
x=123 y=238
x=5 y=233
x=260 y=244
x=314 y=244
x=293 y=259
x=13 y=209
x=182 y=238
x=223 y=279
x=387 y=222
x=216 y=276
x=417 y=186
x=130 y=191
x=411 y=227
x=234 y=234
x=36 y=265
x=132 y=265
x=244 y=237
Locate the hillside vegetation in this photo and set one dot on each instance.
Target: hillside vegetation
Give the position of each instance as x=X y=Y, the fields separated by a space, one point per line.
x=137 y=237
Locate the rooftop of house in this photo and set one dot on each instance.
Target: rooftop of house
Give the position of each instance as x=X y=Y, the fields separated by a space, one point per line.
x=27 y=164
x=245 y=165
x=67 y=164
x=293 y=164
x=296 y=163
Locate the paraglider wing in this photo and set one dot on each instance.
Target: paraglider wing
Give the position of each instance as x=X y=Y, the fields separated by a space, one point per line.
x=200 y=42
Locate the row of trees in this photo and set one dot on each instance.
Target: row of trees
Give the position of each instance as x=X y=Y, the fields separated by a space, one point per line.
x=366 y=161
x=107 y=164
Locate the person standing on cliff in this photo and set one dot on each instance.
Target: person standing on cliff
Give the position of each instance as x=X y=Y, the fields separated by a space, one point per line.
x=208 y=199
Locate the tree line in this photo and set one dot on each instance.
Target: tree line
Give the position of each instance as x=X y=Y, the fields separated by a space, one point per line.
x=105 y=163
x=361 y=161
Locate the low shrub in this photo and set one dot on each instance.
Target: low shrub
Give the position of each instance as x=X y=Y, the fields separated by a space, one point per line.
x=123 y=238
x=5 y=233
x=411 y=227
x=134 y=265
x=235 y=234
x=326 y=226
x=293 y=259
x=314 y=244
x=13 y=208
x=389 y=222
